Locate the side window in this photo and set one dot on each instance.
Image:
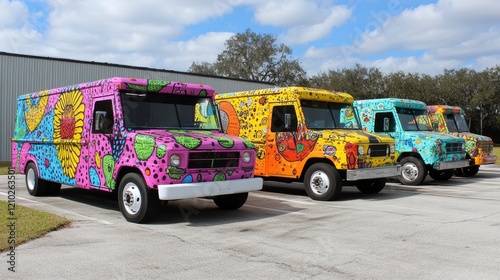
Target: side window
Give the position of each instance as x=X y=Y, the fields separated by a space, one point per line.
x=283 y=115
x=384 y=122
x=103 y=117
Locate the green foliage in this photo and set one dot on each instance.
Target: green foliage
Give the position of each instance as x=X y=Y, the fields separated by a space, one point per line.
x=255 y=57
x=478 y=93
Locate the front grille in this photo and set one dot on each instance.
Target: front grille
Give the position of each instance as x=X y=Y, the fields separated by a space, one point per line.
x=454 y=147
x=484 y=146
x=378 y=150
x=213 y=159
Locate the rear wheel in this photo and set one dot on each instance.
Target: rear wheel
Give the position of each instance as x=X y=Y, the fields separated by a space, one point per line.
x=137 y=202
x=371 y=186
x=35 y=185
x=322 y=182
x=230 y=201
x=413 y=171
x=441 y=175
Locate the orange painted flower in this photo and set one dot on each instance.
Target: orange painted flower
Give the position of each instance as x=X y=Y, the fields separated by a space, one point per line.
x=68 y=127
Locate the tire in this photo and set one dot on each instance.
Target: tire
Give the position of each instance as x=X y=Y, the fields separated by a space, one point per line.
x=470 y=170
x=441 y=175
x=137 y=202
x=35 y=185
x=458 y=172
x=230 y=201
x=322 y=182
x=371 y=186
x=413 y=171
x=53 y=188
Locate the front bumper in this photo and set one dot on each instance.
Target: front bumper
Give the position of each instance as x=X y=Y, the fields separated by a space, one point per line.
x=485 y=160
x=444 y=165
x=207 y=189
x=373 y=173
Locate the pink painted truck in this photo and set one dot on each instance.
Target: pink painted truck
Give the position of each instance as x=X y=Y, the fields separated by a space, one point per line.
x=147 y=140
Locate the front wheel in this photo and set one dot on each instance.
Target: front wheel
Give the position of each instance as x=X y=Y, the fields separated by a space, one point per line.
x=137 y=202
x=441 y=175
x=35 y=185
x=322 y=182
x=413 y=171
x=230 y=201
x=371 y=186
x=470 y=170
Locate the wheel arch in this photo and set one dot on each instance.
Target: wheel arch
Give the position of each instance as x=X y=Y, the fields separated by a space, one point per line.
x=126 y=170
x=312 y=161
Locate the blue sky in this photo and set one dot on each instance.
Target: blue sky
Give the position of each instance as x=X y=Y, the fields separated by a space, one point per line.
x=396 y=35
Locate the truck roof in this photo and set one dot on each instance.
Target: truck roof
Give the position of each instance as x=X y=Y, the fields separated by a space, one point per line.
x=444 y=109
x=389 y=103
x=159 y=86
x=293 y=93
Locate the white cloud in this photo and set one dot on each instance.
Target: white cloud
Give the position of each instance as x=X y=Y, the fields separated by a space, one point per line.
x=444 y=24
x=206 y=47
x=307 y=33
x=13 y=14
x=306 y=20
x=448 y=34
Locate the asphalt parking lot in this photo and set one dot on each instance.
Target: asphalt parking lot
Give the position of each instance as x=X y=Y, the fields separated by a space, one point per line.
x=447 y=230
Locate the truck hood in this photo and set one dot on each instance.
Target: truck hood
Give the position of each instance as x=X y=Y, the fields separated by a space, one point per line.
x=430 y=135
x=354 y=136
x=468 y=136
x=190 y=139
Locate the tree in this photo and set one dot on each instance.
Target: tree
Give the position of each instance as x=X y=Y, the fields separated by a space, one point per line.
x=255 y=57
x=360 y=82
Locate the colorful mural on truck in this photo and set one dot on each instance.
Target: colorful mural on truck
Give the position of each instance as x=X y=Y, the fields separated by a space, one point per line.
x=451 y=120
x=249 y=114
x=54 y=129
x=411 y=129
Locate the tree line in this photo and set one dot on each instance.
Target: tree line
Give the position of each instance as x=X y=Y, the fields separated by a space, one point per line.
x=259 y=57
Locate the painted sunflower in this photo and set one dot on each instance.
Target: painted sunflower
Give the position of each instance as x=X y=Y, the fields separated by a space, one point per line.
x=68 y=127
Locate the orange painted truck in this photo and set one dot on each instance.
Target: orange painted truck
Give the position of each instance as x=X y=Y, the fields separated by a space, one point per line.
x=479 y=148
x=309 y=135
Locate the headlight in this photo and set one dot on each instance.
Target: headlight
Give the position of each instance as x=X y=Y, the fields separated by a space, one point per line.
x=246 y=157
x=392 y=149
x=175 y=160
x=361 y=150
x=463 y=146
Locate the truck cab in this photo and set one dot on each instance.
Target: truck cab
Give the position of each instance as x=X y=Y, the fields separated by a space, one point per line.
x=420 y=150
x=479 y=148
x=309 y=135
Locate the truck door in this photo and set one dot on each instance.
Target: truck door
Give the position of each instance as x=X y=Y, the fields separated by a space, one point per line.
x=102 y=150
x=281 y=140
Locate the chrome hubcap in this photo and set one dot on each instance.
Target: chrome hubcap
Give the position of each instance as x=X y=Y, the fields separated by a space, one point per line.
x=132 y=199
x=319 y=182
x=409 y=172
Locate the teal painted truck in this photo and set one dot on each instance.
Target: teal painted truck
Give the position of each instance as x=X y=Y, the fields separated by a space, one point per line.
x=479 y=148
x=420 y=150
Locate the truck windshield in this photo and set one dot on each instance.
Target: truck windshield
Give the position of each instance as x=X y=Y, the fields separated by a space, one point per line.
x=456 y=123
x=328 y=115
x=414 y=120
x=143 y=110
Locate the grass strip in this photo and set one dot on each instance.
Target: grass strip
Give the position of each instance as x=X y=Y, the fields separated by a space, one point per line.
x=23 y=224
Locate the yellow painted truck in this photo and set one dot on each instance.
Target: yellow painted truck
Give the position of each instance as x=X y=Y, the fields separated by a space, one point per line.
x=309 y=135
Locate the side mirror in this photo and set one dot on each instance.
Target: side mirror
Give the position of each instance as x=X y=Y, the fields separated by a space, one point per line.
x=288 y=121
x=386 y=125
x=435 y=126
x=101 y=123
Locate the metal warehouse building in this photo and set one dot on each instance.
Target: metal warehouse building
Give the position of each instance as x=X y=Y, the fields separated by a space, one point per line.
x=22 y=74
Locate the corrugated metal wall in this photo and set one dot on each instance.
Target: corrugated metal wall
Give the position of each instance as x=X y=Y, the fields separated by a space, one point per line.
x=20 y=74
